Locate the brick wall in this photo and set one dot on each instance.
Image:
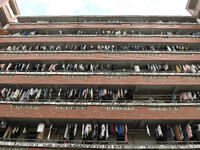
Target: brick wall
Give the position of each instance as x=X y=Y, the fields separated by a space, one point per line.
x=97 y=112
x=98 y=39
x=100 y=56
x=99 y=80
x=100 y=26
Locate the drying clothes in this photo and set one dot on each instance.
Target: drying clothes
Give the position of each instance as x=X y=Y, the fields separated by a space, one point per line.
x=38 y=94
x=75 y=128
x=112 y=129
x=3 y=92
x=16 y=94
x=91 y=94
x=187 y=67
x=40 y=127
x=83 y=130
x=119 y=129
x=87 y=131
x=8 y=132
x=46 y=93
x=32 y=92
x=177 y=133
x=173 y=96
x=103 y=129
x=66 y=134
x=24 y=130
x=49 y=134
x=86 y=93
x=9 y=66
x=181 y=96
x=189 y=95
x=40 y=135
x=27 y=95
x=104 y=92
x=185 y=96
x=8 y=93
x=181 y=131
x=118 y=94
x=59 y=93
x=125 y=133
x=11 y=95
x=148 y=132
x=107 y=133
x=122 y=94
x=21 y=93
x=171 y=131
x=178 y=69
x=193 y=68
x=137 y=68
x=23 y=96
x=198 y=128
x=95 y=127
x=189 y=131
x=13 y=131
x=159 y=130
x=166 y=67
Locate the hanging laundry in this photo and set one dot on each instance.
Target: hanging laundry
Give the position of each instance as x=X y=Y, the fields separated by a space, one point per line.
x=40 y=127
x=148 y=132
x=189 y=131
x=49 y=134
x=125 y=133
x=66 y=134
x=177 y=133
x=103 y=129
x=159 y=130
x=83 y=130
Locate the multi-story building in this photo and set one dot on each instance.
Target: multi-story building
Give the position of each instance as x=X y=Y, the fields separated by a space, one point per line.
x=99 y=82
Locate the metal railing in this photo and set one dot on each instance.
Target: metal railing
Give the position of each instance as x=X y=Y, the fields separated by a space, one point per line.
x=100 y=142
x=101 y=102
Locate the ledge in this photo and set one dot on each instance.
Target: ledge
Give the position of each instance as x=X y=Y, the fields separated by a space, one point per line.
x=77 y=112
x=106 y=74
x=95 y=80
x=16 y=26
x=101 y=146
x=93 y=35
x=90 y=103
x=60 y=39
x=100 y=55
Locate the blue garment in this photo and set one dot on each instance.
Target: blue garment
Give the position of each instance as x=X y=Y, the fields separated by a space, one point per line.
x=100 y=92
x=114 y=98
x=173 y=96
x=171 y=131
x=119 y=129
x=80 y=93
x=46 y=93
x=25 y=33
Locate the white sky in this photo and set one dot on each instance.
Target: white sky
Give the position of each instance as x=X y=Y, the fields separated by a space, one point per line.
x=102 y=7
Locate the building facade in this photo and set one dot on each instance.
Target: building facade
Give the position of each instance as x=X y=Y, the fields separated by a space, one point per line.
x=100 y=82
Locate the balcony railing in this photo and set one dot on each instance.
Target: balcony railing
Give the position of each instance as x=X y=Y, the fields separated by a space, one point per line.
x=101 y=144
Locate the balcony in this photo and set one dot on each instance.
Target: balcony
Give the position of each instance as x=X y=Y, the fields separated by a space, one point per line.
x=100 y=145
x=54 y=136
x=110 y=19
x=100 y=51
x=104 y=30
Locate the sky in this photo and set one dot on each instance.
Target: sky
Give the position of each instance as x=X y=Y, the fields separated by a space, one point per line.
x=102 y=7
